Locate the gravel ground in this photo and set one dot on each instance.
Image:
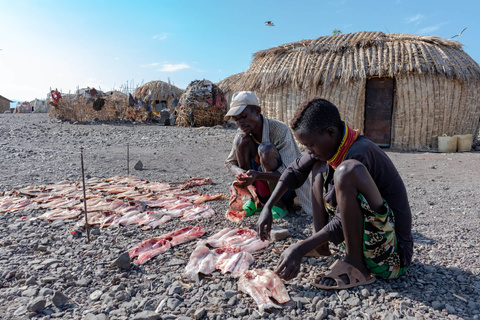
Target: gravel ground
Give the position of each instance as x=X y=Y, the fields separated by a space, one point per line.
x=46 y=272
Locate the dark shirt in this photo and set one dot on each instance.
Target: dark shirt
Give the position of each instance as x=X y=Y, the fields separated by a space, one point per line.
x=385 y=176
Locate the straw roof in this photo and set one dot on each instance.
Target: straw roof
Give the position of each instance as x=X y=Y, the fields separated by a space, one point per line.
x=230 y=84
x=306 y=64
x=160 y=90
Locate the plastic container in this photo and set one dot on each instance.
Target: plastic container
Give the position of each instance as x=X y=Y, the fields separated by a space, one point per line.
x=447 y=144
x=464 y=142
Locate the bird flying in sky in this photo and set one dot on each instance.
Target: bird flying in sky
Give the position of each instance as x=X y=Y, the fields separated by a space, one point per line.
x=458 y=35
x=269 y=23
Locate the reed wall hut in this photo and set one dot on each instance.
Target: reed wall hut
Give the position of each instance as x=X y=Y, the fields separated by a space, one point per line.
x=160 y=94
x=4 y=104
x=229 y=86
x=400 y=90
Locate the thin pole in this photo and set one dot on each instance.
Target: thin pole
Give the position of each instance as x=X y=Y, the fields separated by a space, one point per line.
x=84 y=197
x=128 y=159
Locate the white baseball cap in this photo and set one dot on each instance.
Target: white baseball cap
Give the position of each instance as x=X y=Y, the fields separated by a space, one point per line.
x=240 y=100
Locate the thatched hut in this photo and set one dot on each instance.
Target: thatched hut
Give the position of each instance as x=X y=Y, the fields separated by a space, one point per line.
x=400 y=90
x=160 y=94
x=229 y=86
x=202 y=104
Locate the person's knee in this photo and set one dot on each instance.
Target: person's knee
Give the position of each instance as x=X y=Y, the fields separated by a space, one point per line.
x=243 y=143
x=348 y=172
x=269 y=156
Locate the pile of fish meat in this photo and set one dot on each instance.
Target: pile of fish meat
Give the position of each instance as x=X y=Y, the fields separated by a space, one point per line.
x=229 y=250
x=153 y=247
x=121 y=200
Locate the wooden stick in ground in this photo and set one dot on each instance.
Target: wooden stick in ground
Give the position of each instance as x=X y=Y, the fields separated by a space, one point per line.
x=128 y=160
x=84 y=197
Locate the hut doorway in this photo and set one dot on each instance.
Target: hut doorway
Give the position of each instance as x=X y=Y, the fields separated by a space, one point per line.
x=160 y=105
x=378 y=110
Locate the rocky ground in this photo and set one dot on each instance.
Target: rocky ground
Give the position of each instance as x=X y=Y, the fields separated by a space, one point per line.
x=46 y=272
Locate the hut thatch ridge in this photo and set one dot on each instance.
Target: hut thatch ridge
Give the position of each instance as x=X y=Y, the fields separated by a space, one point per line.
x=159 y=90
x=230 y=83
x=354 y=56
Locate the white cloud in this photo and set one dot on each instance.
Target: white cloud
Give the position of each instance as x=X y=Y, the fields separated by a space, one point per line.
x=219 y=70
x=160 y=37
x=174 y=67
x=429 y=30
x=154 y=64
x=415 y=19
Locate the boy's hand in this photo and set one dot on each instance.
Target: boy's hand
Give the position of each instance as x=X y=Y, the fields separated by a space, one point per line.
x=289 y=264
x=264 y=223
x=247 y=178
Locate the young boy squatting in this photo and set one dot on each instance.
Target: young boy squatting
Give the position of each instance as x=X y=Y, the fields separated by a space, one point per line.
x=356 y=184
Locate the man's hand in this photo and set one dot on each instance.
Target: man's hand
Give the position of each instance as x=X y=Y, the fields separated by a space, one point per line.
x=264 y=223
x=289 y=264
x=247 y=178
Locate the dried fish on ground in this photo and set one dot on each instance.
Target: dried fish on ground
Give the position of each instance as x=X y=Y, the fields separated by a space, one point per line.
x=155 y=246
x=262 y=285
x=117 y=201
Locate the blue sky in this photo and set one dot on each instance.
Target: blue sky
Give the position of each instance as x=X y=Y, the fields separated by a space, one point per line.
x=69 y=44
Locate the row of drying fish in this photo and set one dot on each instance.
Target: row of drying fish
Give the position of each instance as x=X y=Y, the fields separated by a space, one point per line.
x=121 y=200
x=230 y=251
x=153 y=247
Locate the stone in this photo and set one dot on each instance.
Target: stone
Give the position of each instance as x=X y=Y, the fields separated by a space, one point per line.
x=278 y=233
x=29 y=292
x=59 y=299
x=437 y=305
x=49 y=279
x=31 y=281
x=84 y=282
x=173 y=303
x=147 y=315
x=138 y=165
x=123 y=261
x=37 y=304
x=240 y=312
x=91 y=316
x=175 y=288
x=95 y=295
x=322 y=313
x=199 y=313
x=353 y=301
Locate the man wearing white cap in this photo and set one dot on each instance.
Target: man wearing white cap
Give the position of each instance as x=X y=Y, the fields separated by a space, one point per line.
x=261 y=151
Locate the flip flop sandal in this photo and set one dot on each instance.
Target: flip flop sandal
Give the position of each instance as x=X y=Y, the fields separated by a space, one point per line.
x=250 y=208
x=278 y=213
x=338 y=268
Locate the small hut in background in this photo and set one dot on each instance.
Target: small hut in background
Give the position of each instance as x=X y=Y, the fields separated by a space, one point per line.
x=159 y=95
x=202 y=104
x=23 y=107
x=400 y=90
x=4 y=104
x=93 y=105
x=229 y=86
x=39 y=106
